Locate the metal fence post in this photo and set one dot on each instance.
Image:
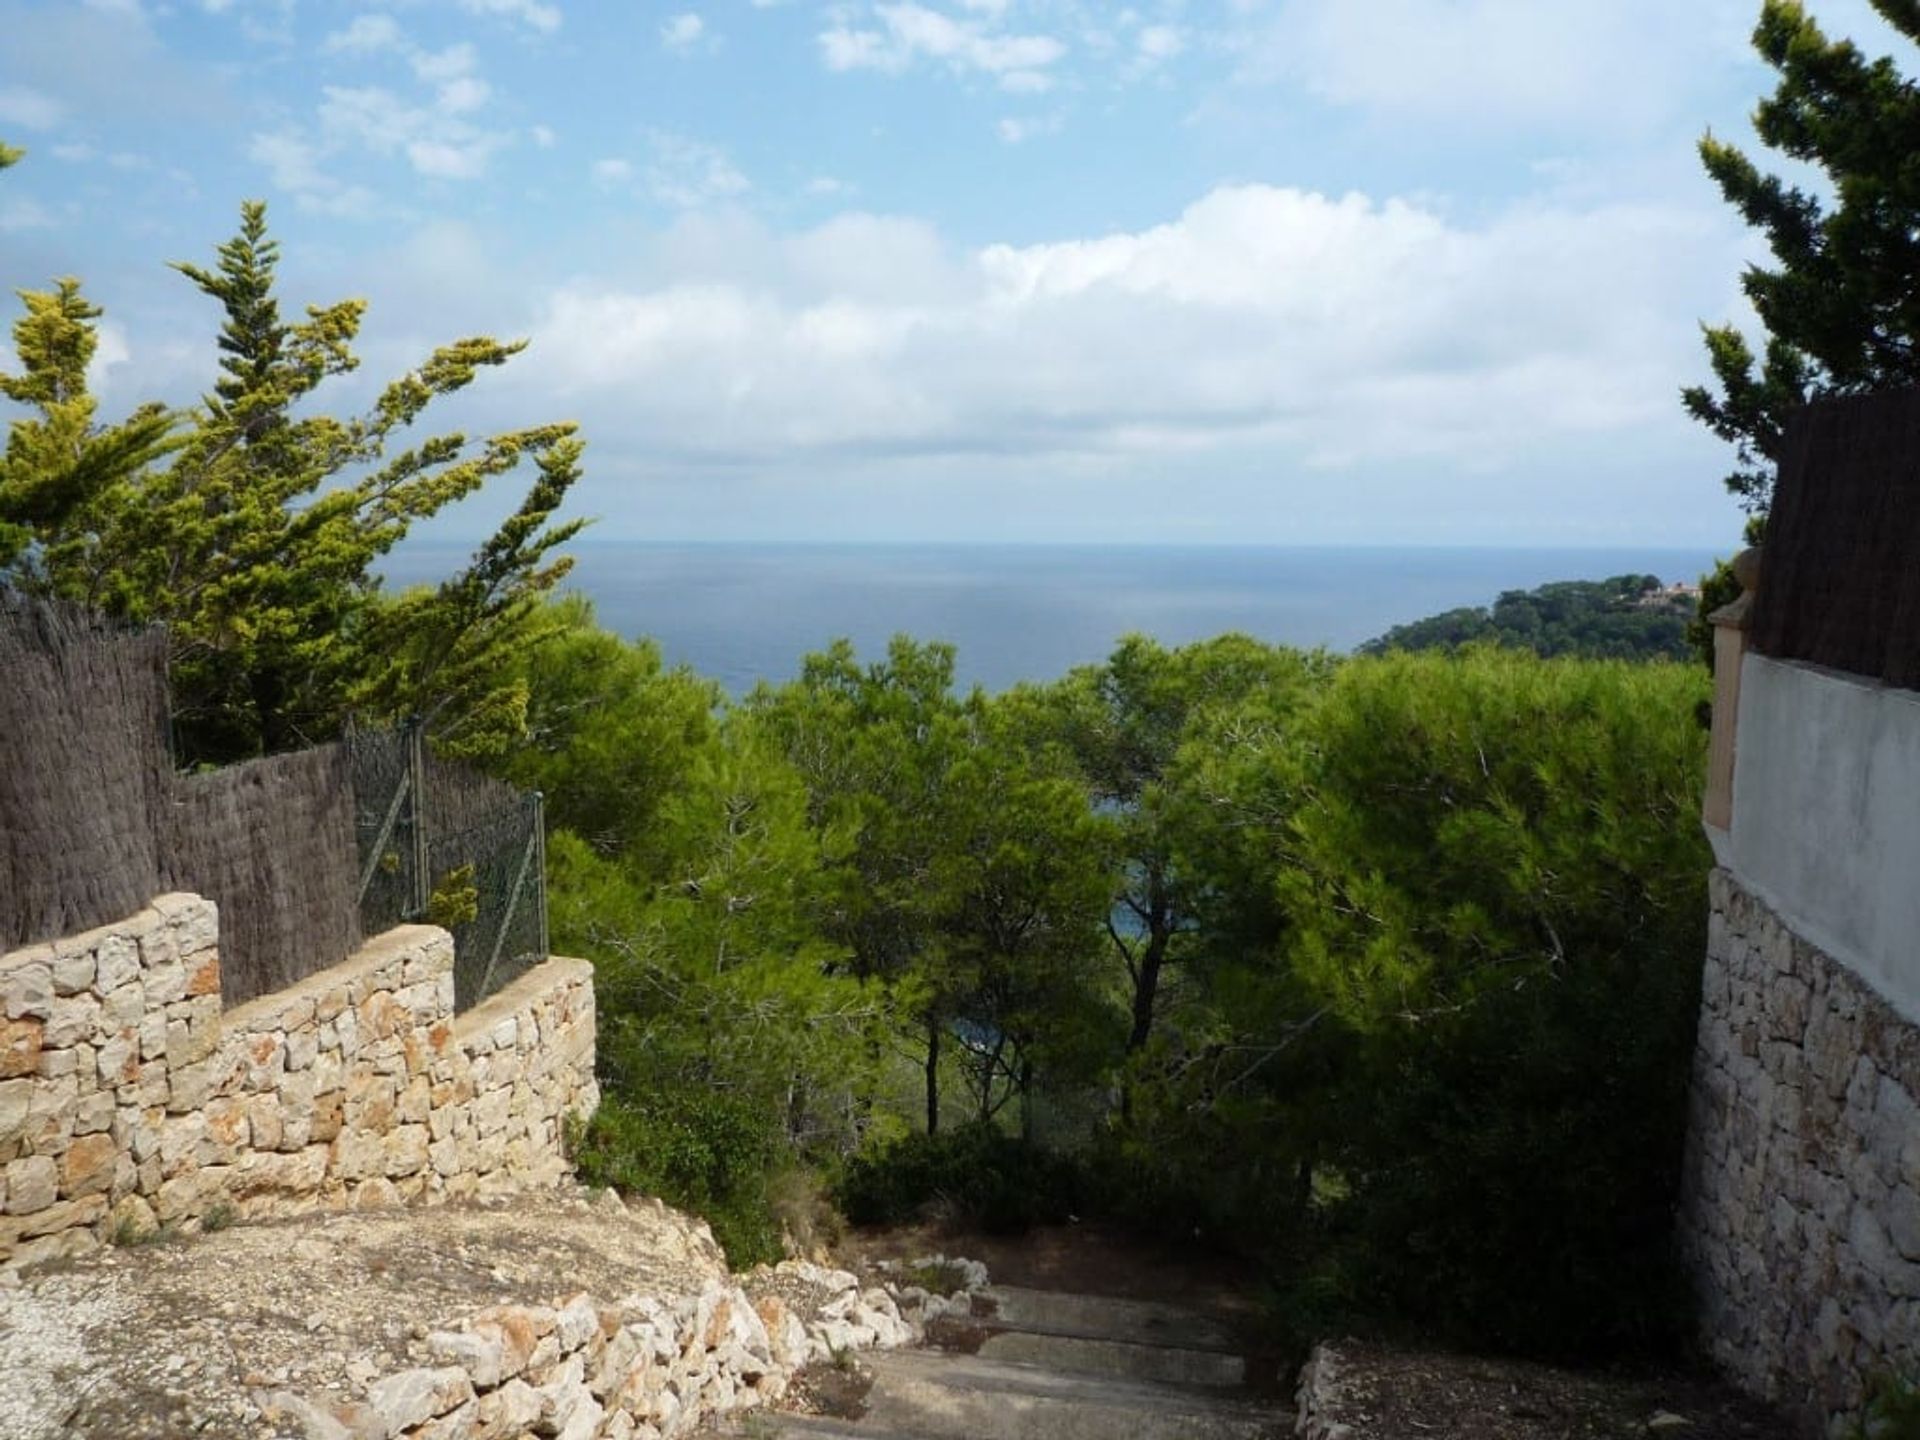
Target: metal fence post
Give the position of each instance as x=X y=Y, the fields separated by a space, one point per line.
x=540 y=868
x=416 y=800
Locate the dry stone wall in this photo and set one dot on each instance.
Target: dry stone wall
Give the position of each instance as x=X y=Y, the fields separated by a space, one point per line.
x=131 y=1098
x=1801 y=1217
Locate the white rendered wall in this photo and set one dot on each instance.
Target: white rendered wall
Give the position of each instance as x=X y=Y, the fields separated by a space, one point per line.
x=1826 y=816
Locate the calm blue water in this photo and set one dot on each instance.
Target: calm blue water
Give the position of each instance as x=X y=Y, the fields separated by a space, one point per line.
x=742 y=613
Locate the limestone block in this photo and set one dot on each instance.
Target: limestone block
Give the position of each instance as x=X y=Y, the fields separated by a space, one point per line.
x=16 y=1097
x=155 y=940
x=50 y=1112
x=413 y=1397
x=405 y=1150
x=227 y=1128
x=480 y=1355
x=577 y=1322
x=26 y=985
x=358 y=1155
x=379 y=1193
x=191 y=1084
x=324 y=1123
x=117 y=1061
x=65 y=1215
x=93 y=1113
x=152 y=1032
x=414 y=1102
x=33 y=1184
x=72 y=973
x=87 y=1166
x=116 y=962
x=166 y=982
x=510 y=1410
x=460 y=1423
x=20 y=1046
x=183 y=1142
x=264 y=1126
x=202 y=970
x=303 y=1045
x=520 y=1329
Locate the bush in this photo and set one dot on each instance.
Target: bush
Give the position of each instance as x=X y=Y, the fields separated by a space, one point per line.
x=711 y=1154
x=1496 y=886
x=974 y=1175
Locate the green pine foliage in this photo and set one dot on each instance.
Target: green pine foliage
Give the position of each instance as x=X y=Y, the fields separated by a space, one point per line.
x=252 y=525
x=1839 y=306
x=59 y=462
x=1627 y=617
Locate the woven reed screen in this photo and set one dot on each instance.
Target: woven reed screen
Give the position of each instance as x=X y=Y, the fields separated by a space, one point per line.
x=1840 y=566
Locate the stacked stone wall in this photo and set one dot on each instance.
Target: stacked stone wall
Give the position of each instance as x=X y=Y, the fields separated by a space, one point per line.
x=131 y=1099
x=1801 y=1217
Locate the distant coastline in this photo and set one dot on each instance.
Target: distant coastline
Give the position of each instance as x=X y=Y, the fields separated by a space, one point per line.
x=741 y=613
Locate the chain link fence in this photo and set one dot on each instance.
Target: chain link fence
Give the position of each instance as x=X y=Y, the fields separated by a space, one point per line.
x=442 y=843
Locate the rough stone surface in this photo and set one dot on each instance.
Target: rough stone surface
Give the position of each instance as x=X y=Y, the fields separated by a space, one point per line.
x=1801 y=1203
x=124 y=1077
x=556 y=1314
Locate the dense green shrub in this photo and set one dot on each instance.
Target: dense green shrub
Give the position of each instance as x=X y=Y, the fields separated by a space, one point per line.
x=974 y=1174
x=709 y=1153
x=1494 y=880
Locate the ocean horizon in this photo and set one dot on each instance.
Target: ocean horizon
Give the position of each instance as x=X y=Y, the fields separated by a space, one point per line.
x=743 y=613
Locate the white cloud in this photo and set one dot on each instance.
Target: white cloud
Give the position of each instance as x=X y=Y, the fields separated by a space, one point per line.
x=612 y=171
x=911 y=32
x=535 y=16
x=1493 y=62
x=18 y=212
x=682 y=32
x=543 y=137
x=1016 y=130
x=438 y=66
x=688 y=173
x=368 y=34
x=28 y=109
x=436 y=140
x=1160 y=42
x=111 y=352
x=295 y=165
x=1327 y=331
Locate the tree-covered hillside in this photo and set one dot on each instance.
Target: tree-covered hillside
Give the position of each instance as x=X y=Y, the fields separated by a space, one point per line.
x=1629 y=617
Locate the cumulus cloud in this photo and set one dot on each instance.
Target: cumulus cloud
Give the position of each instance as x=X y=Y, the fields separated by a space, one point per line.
x=897 y=36
x=298 y=167
x=688 y=173
x=1494 y=62
x=682 y=32
x=439 y=136
x=544 y=19
x=27 y=108
x=368 y=34
x=1331 y=331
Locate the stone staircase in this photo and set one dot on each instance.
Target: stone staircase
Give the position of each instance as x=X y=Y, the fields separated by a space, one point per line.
x=1050 y=1365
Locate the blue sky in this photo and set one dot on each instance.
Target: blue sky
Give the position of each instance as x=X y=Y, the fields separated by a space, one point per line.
x=1289 y=271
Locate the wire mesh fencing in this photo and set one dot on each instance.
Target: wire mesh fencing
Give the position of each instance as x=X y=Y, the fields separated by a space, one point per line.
x=440 y=842
x=305 y=853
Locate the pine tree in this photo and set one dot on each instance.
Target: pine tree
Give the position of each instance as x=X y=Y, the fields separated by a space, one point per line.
x=257 y=544
x=58 y=462
x=1841 y=306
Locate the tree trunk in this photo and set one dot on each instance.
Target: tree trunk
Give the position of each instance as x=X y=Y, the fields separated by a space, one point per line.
x=1146 y=987
x=933 y=1077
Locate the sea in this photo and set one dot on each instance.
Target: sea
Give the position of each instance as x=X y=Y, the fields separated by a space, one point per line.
x=743 y=613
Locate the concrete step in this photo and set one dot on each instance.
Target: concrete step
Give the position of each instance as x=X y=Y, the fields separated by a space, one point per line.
x=1104 y=1317
x=1117 y=1359
x=969 y=1397
x=772 y=1425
